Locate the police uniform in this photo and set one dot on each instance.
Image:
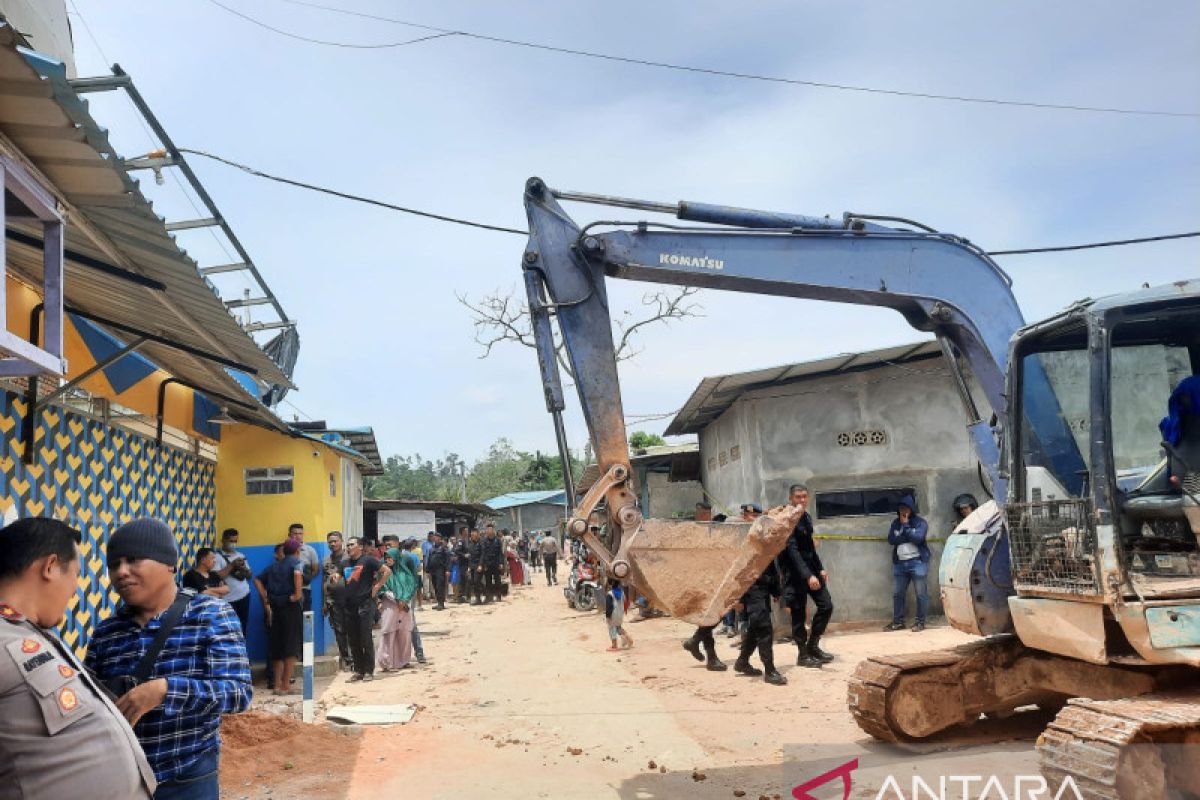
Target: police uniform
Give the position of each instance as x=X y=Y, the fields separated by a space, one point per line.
x=60 y=735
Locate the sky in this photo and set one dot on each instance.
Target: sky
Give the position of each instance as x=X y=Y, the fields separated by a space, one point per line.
x=456 y=126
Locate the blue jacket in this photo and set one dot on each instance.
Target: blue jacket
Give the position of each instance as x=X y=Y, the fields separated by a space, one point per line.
x=912 y=532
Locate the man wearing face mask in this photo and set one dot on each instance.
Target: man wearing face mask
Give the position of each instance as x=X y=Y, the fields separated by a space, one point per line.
x=61 y=735
x=910 y=563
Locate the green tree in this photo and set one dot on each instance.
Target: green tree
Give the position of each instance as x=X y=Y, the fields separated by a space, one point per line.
x=639 y=440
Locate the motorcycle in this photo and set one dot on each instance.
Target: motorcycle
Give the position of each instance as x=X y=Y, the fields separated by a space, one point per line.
x=583 y=587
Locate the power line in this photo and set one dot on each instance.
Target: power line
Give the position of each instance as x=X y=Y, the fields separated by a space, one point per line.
x=325 y=42
x=1092 y=245
x=354 y=197
x=500 y=228
x=744 y=75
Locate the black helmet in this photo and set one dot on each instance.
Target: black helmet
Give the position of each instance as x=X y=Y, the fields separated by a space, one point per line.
x=965 y=500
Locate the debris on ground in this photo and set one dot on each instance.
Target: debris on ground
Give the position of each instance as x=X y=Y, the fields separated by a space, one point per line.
x=258 y=747
x=575 y=751
x=697 y=775
x=652 y=765
x=739 y=792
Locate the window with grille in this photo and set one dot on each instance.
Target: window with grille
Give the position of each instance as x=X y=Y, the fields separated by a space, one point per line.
x=865 y=438
x=269 y=480
x=860 y=502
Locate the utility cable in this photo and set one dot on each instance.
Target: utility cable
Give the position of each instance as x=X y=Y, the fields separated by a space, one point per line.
x=744 y=75
x=1093 y=245
x=310 y=40
x=354 y=197
x=485 y=226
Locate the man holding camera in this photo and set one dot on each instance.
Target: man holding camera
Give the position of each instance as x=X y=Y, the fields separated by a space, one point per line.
x=61 y=736
x=176 y=661
x=231 y=568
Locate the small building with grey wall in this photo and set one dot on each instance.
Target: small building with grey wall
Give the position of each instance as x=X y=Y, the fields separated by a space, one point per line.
x=529 y=511
x=857 y=430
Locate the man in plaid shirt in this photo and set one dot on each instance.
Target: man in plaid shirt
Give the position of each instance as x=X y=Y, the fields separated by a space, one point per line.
x=201 y=673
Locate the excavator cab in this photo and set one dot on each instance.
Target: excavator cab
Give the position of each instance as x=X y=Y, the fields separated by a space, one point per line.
x=1101 y=528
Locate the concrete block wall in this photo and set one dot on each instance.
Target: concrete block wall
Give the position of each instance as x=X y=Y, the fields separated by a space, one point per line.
x=789 y=434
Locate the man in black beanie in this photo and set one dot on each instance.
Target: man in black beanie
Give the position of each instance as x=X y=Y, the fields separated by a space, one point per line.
x=175 y=704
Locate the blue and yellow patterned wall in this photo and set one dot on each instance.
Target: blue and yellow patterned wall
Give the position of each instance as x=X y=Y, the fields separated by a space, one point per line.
x=96 y=477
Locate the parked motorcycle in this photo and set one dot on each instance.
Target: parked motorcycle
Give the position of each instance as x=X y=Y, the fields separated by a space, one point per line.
x=583 y=586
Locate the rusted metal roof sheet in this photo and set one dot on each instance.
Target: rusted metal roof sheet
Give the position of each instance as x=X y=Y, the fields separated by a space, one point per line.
x=716 y=394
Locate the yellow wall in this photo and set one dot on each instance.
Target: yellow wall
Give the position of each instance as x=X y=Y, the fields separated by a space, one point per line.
x=141 y=397
x=263 y=519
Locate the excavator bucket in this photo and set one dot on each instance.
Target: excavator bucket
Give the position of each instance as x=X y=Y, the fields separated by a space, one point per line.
x=697 y=570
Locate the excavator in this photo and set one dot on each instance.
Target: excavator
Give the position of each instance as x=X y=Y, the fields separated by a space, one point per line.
x=1081 y=579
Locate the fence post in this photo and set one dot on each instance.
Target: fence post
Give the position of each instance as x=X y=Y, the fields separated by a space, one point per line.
x=308 y=666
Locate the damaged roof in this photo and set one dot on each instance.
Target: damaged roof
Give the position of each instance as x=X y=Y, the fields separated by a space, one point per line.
x=122 y=267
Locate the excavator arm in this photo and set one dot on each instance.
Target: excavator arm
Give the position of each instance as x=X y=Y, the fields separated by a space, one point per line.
x=940 y=283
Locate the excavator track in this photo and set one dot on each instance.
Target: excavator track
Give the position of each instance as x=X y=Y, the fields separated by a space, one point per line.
x=1146 y=748
x=908 y=698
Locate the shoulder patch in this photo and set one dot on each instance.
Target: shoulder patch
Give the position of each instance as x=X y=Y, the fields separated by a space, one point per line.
x=67 y=700
x=9 y=613
x=66 y=671
x=30 y=646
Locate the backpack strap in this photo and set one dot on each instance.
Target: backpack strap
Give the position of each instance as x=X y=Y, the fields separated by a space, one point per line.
x=169 y=622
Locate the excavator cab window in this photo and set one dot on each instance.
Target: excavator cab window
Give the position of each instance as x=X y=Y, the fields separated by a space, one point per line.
x=1150 y=356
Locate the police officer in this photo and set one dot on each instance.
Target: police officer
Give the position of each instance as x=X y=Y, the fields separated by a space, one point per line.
x=492 y=561
x=760 y=634
x=475 y=567
x=805 y=578
x=61 y=736
x=462 y=560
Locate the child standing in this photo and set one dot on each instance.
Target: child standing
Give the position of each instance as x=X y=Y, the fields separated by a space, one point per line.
x=614 y=615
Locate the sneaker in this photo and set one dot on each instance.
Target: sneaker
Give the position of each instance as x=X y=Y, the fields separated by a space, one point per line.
x=355 y=678
x=421 y=658
x=920 y=626
x=368 y=677
x=693 y=647
x=773 y=677
x=894 y=626
x=745 y=668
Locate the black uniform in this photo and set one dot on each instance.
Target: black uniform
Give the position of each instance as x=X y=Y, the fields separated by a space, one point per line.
x=801 y=562
x=492 y=554
x=463 y=561
x=475 y=561
x=759 y=629
x=437 y=564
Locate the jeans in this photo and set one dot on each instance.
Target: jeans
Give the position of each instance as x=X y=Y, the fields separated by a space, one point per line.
x=200 y=781
x=418 y=650
x=914 y=571
x=551 y=561
x=337 y=620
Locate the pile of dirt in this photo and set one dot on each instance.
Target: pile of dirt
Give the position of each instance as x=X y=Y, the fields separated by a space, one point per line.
x=286 y=757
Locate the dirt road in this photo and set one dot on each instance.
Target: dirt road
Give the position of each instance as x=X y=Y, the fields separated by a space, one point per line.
x=521 y=700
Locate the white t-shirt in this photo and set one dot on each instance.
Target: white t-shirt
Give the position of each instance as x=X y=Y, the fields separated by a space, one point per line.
x=237 y=588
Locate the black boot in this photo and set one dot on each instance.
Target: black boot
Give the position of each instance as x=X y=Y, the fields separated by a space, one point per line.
x=743 y=667
x=693 y=647
x=714 y=664
x=773 y=677
x=806 y=659
x=814 y=650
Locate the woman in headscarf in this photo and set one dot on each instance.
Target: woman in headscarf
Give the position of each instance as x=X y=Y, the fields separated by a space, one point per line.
x=396 y=622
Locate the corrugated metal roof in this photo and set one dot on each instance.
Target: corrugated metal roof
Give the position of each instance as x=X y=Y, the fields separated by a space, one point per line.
x=112 y=222
x=716 y=394
x=513 y=499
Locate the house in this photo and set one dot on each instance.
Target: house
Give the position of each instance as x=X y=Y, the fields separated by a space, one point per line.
x=128 y=386
x=530 y=511
x=860 y=430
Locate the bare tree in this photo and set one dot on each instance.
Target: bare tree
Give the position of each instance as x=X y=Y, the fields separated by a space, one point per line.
x=499 y=317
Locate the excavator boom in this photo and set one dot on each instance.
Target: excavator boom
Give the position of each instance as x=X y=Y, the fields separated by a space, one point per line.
x=940 y=283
